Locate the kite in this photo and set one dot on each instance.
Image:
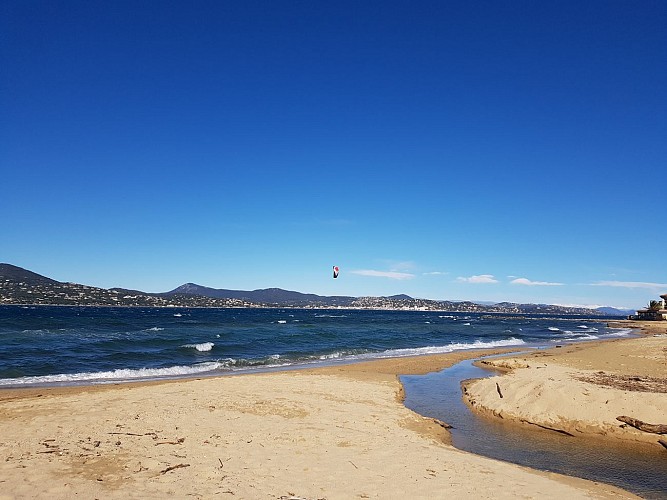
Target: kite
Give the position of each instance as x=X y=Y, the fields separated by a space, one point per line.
x=335 y=271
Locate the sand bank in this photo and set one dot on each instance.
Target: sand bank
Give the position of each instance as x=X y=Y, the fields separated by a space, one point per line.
x=337 y=432
x=581 y=388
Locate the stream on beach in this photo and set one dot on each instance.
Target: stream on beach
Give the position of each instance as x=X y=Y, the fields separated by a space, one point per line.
x=438 y=395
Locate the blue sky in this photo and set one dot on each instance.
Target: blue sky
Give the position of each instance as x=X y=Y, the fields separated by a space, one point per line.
x=448 y=150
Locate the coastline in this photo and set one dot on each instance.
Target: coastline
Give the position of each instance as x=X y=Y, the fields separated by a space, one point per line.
x=330 y=432
x=580 y=389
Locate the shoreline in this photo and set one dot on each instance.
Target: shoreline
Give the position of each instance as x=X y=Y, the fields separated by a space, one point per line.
x=323 y=432
x=580 y=389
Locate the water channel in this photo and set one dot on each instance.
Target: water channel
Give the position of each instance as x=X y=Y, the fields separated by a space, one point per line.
x=634 y=468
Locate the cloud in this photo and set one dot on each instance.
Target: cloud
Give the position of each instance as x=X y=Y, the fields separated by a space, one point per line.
x=436 y=273
x=395 y=275
x=527 y=282
x=481 y=278
x=631 y=284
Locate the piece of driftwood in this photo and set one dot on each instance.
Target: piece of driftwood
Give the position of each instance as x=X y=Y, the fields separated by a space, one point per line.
x=178 y=441
x=179 y=466
x=442 y=424
x=643 y=426
x=663 y=442
x=546 y=427
x=499 y=391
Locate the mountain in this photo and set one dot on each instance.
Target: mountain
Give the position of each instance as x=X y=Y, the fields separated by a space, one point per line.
x=20 y=286
x=18 y=274
x=264 y=296
x=613 y=311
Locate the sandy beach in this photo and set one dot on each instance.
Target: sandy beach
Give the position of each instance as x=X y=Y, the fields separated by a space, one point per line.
x=333 y=432
x=581 y=389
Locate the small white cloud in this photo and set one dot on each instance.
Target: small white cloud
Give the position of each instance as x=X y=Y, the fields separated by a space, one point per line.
x=436 y=273
x=480 y=278
x=384 y=274
x=631 y=284
x=527 y=282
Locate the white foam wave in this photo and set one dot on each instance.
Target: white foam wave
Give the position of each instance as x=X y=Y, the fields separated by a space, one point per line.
x=622 y=332
x=576 y=338
x=333 y=355
x=420 y=351
x=281 y=321
x=154 y=329
x=203 y=347
x=114 y=375
x=554 y=329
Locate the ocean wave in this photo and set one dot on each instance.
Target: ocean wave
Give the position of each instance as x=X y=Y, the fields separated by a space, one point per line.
x=420 y=351
x=203 y=347
x=554 y=329
x=122 y=374
x=622 y=332
x=154 y=329
x=576 y=337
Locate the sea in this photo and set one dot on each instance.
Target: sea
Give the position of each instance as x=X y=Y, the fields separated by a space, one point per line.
x=56 y=345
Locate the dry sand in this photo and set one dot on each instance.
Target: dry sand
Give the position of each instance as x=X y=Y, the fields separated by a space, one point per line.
x=335 y=432
x=582 y=388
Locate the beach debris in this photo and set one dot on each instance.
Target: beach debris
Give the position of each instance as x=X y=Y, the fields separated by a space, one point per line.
x=546 y=427
x=178 y=441
x=663 y=442
x=442 y=424
x=51 y=448
x=500 y=393
x=633 y=383
x=152 y=434
x=173 y=467
x=643 y=426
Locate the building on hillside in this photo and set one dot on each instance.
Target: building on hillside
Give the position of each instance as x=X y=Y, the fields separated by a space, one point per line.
x=657 y=311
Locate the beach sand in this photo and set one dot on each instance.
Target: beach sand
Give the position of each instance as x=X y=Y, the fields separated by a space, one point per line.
x=581 y=389
x=338 y=432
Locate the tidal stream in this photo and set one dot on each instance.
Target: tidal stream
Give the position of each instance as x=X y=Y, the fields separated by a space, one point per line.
x=438 y=395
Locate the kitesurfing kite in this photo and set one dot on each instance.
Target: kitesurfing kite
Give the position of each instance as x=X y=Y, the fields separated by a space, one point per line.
x=335 y=271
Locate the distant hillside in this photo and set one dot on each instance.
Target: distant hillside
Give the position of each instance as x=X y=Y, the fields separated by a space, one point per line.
x=612 y=311
x=264 y=296
x=18 y=274
x=20 y=286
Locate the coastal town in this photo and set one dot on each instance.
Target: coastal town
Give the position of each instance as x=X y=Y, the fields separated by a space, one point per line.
x=22 y=287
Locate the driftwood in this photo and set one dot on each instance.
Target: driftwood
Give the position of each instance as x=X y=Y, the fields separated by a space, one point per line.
x=174 y=467
x=546 y=427
x=643 y=426
x=442 y=424
x=499 y=392
x=179 y=441
x=663 y=442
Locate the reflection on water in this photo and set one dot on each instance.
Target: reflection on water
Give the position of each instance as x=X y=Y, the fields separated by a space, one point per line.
x=438 y=395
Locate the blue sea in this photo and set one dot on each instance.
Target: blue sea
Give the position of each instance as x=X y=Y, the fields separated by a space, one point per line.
x=45 y=345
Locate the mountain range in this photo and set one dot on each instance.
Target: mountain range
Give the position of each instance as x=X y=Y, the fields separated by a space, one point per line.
x=21 y=286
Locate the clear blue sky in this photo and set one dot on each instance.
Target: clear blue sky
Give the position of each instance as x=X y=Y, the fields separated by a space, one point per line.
x=488 y=150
